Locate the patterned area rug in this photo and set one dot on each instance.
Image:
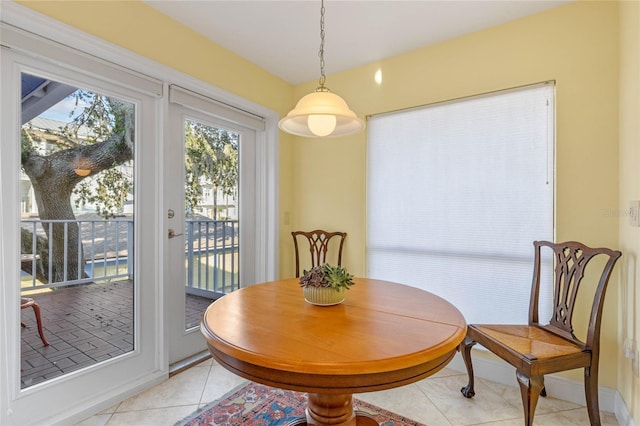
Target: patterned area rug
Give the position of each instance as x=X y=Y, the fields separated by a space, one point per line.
x=252 y=404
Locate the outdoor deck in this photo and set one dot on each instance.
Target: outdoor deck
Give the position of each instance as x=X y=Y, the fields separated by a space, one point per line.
x=84 y=325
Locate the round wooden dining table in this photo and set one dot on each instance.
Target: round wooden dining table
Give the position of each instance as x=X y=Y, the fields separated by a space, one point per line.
x=384 y=335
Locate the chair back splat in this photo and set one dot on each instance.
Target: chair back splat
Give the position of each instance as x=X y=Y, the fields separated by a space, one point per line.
x=537 y=349
x=318 y=241
x=570 y=262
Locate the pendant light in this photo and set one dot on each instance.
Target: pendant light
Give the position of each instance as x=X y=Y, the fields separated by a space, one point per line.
x=321 y=114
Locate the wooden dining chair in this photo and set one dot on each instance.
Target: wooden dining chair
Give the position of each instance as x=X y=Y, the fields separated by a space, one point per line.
x=318 y=241
x=537 y=349
x=27 y=302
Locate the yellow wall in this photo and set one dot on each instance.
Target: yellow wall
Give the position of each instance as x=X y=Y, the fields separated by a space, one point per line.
x=323 y=182
x=576 y=45
x=629 y=300
x=141 y=29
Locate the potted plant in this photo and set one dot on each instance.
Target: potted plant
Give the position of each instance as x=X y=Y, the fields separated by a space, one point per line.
x=325 y=285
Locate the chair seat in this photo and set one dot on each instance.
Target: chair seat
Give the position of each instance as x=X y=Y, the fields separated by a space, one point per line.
x=26 y=302
x=530 y=347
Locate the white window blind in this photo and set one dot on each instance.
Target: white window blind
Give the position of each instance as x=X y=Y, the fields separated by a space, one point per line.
x=456 y=194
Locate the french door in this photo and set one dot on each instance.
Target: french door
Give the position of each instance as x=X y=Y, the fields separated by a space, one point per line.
x=210 y=193
x=92 y=272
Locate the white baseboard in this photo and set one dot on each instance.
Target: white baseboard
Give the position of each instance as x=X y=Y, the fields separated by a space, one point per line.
x=623 y=415
x=557 y=387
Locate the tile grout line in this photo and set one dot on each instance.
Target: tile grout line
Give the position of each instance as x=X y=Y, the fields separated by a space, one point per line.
x=204 y=386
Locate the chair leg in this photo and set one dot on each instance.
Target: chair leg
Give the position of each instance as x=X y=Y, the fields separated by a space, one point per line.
x=530 y=388
x=36 y=310
x=465 y=350
x=591 y=394
x=543 y=391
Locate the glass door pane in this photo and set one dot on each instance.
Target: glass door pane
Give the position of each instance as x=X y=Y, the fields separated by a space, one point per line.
x=77 y=227
x=212 y=261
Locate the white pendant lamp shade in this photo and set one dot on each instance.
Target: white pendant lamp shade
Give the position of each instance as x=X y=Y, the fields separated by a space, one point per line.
x=321 y=114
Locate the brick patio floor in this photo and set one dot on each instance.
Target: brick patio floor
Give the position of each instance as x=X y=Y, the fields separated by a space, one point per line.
x=84 y=325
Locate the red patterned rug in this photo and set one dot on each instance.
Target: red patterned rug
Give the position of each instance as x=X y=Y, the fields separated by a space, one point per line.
x=252 y=404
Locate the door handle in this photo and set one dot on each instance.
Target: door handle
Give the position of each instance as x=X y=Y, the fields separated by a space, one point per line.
x=172 y=233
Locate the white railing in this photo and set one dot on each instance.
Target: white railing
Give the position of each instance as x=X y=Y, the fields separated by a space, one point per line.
x=212 y=257
x=106 y=246
x=102 y=247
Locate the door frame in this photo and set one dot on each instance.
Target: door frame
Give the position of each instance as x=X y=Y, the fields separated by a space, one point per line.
x=186 y=344
x=51 y=38
x=139 y=367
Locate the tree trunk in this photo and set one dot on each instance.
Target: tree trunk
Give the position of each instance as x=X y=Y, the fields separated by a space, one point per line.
x=42 y=252
x=53 y=178
x=54 y=205
x=215 y=202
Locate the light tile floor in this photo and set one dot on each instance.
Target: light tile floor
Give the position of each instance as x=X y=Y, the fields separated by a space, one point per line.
x=434 y=401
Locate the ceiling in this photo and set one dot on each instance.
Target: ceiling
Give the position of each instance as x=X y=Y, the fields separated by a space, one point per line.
x=39 y=94
x=283 y=37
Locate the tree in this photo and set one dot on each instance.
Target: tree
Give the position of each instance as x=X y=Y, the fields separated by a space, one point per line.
x=211 y=158
x=54 y=176
x=100 y=138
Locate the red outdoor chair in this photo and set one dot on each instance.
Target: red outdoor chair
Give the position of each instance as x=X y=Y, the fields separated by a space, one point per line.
x=27 y=302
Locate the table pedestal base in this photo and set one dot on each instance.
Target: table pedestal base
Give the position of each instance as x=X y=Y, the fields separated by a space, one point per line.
x=332 y=410
x=361 y=419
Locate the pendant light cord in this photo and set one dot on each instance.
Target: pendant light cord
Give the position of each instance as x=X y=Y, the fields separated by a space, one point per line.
x=321 y=87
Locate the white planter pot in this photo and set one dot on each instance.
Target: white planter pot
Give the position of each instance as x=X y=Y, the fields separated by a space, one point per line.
x=323 y=296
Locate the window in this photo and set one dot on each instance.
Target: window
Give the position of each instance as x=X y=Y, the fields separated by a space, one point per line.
x=456 y=194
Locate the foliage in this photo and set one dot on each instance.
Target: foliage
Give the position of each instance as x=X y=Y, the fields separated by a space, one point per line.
x=327 y=276
x=100 y=118
x=100 y=115
x=211 y=158
x=108 y=194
